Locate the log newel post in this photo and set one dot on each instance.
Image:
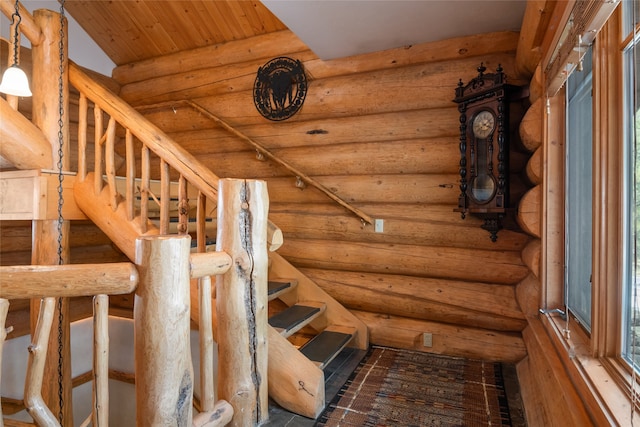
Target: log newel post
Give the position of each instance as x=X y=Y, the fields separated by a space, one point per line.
x=164 y=371
x=45 y=57
x=241 y=301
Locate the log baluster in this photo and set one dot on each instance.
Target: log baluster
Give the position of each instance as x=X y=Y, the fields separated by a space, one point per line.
x=183 y=206
x=201 y=225
x=97 y=119
x=207 y=381
x=33 y=401
x=4 y=309
x=165 y=197
x=100 y=413
x=82 y=137
x=130 y=190
x=144 y=188
x=110 y=168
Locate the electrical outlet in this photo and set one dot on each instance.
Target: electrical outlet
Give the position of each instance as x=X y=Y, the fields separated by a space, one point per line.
x=427 y=339
x=378 y=225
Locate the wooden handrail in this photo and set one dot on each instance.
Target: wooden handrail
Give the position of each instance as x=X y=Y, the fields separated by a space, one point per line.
x=41 y=281
x=171 y=154
x=28 y=26
x=150 y=135
x=267 y=153
x=14 y=131
x=101 y=280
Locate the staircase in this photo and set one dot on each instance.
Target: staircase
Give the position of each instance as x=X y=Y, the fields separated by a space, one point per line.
x=310 y=332
x=308 y=328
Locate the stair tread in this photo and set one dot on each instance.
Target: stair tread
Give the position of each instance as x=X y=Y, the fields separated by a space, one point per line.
x=277 y=286
x=293 y=316
x=323 y=347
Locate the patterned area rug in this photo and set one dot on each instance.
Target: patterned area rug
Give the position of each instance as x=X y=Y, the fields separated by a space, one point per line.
x=397 y=388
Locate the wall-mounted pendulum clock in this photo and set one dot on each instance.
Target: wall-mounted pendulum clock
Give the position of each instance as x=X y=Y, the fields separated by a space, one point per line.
x=484 y=148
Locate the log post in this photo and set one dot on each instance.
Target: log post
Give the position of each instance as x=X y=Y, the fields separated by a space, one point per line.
x=45 y=234
x=164 y=371
x=241 y=300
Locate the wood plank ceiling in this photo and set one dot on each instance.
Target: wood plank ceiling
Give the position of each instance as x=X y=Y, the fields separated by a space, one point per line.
x=130 y=31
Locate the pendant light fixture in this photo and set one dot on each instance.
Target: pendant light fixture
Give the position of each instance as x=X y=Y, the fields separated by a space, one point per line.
x=14 y=80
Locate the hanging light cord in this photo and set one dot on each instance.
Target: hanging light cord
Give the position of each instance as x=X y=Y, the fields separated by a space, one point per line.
x=60 y=204
x=16 y=19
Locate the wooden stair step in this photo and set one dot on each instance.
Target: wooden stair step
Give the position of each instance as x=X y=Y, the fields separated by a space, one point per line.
x=325 y=346
x=277 y=287
x=296 y=317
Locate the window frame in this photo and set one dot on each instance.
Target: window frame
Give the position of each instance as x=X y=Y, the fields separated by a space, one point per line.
x=594 y=363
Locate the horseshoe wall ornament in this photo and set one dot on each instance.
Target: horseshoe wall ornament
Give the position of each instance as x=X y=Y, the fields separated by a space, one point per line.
x=280 y=88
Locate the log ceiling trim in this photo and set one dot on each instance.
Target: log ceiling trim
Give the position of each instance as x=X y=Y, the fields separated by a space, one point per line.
x=157 y=28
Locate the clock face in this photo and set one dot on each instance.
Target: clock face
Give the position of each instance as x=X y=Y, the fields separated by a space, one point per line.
x=483 y=124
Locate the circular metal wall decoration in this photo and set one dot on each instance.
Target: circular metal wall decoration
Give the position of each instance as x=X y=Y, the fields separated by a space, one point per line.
x=280 y=88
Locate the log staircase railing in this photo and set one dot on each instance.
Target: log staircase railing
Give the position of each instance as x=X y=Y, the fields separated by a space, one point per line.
x=130 y=216
x=190 y=172
x=100 y=281
x=284 y=379
x=173 y=161
x=50 y=283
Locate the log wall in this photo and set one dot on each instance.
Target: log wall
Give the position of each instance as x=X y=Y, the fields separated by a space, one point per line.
x=380 y=131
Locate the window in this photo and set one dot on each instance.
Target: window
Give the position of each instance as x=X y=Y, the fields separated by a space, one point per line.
x=578 y=193
x=591 y=270
x=631 y=73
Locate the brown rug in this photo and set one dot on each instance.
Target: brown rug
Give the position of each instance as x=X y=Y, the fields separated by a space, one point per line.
x=397 y=388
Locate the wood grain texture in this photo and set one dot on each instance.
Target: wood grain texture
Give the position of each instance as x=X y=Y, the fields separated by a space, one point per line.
x=530 y=211
x=241 y=300
x=87 y=279
x=531 y=126
x=528 y=295
x=23 y=144
x=501 y=267
x=529 y=54
x=534 y=167
x=157 y=28
x=531 y=256
x=546 y=389
x=450 y=340
x=439 y=300
x=164 y=372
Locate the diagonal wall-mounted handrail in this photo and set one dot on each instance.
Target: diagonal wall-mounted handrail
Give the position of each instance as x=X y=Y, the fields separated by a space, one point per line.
x=267 y=153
